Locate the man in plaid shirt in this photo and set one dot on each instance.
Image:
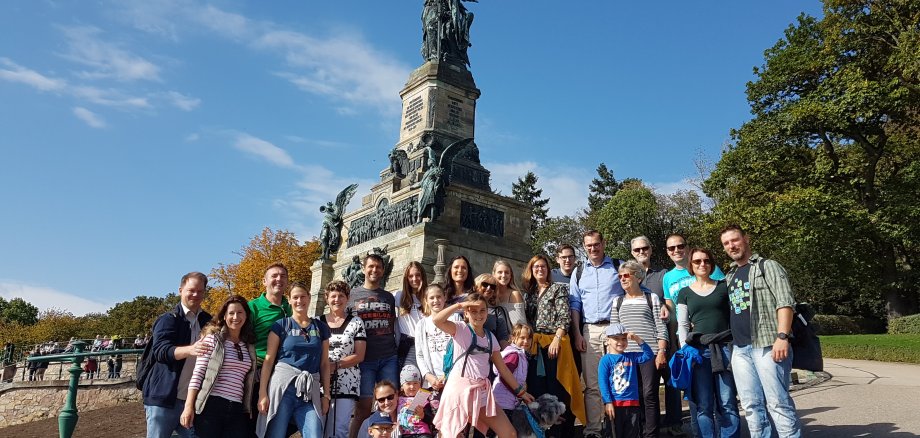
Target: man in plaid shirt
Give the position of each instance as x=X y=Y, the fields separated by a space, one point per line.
x=761 y=322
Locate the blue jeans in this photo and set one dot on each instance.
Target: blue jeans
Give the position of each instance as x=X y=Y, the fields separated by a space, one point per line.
x=373 y=371
x=763 y=386
x=305 y=416
x=161 y=422
x=715 y=392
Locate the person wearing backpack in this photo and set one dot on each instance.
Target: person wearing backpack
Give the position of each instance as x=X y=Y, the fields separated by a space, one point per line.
x=467 y=397
x=761 y=323
x=639 y=311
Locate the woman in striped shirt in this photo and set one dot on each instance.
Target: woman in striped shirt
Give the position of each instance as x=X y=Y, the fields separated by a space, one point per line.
x=638 y=310
x=222 y=381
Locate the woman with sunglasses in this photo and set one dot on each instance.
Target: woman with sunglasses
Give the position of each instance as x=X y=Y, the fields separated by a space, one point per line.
x=298 y=389
x=507 y=294
x=497 y=320
x=221 y=386
x=639 y=311
x=552 y=370
x=386 y=402
x=703 y=307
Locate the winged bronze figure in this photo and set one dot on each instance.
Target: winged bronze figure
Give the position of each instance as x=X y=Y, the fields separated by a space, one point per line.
x=331 y=235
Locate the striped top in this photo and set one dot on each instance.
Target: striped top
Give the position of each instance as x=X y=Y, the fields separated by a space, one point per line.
x=232 y=374
x=639 y=319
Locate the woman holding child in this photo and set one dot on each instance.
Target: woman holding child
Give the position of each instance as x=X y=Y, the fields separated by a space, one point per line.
x=703 y=322
x=553 y=369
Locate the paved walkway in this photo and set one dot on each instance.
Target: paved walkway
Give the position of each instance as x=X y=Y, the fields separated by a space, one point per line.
x=862 y=399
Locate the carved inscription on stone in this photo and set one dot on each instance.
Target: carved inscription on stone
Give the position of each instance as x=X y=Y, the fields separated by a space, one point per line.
x=387 y=219
x=413 y=114
x=482 y=219
x=455 y=114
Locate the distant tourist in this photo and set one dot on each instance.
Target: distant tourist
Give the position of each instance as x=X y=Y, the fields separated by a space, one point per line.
x=175 y=338
x=347 y=344
x=140 y=342
x=222 y=382
x=377 y=308
x=298 y=389
x=761 y=359
x=409 y=300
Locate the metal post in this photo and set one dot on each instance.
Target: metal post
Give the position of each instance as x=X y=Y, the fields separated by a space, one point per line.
x=67 y=421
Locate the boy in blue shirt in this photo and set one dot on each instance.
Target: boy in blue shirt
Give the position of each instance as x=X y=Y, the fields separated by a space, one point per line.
x=619 y=380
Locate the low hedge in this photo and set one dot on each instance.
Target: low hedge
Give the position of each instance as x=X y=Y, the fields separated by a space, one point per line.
x=847 y=325
x=905 y=325
x=886 y=348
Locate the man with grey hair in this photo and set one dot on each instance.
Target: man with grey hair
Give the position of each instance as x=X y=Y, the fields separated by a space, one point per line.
x=641 y=249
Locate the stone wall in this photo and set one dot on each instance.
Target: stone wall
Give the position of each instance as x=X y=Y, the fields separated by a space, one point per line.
x=29 y=401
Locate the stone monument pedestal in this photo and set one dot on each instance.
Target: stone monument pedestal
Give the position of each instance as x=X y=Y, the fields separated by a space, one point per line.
x=322 y=275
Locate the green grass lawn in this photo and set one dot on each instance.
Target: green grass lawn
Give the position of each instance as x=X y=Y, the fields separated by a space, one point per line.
x=887 y=348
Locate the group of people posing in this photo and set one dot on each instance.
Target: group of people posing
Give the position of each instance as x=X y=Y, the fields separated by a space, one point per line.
x=439 y=359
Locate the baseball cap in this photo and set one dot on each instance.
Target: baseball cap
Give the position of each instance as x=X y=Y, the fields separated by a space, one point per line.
x=616 y=329
x=380 y=419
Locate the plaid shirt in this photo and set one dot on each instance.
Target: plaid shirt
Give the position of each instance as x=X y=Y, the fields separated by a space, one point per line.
x=770 y=291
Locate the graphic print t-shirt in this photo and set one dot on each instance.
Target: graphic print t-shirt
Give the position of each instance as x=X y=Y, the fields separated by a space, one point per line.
x=377 y=308
x=739 y=295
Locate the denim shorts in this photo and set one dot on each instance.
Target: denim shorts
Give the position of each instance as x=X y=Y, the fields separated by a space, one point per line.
x=373 y=371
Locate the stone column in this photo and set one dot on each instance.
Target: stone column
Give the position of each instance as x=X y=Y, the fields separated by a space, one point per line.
x=439 y=266
x=323 y=273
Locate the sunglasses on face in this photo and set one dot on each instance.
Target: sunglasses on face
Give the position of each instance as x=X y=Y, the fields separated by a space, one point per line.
x=625 y=275
x=701 y=262
x=641 y=249
x=677 y=247
x=386 y=398
x=488 y=285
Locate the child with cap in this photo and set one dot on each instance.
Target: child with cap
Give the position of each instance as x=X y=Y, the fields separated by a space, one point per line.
x=380 y=425
x=619 y=380
x=413 y=423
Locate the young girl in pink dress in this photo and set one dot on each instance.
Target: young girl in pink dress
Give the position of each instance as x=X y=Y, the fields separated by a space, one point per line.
x=467 y=397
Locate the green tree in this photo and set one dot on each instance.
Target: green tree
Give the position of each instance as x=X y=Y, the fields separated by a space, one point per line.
x=19 y=311
x=129 y=318
x=825 y=174
x=602 y=188
x=525 y=190
x=557 y=231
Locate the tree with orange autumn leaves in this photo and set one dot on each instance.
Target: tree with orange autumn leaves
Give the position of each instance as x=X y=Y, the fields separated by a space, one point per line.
x=245 y=278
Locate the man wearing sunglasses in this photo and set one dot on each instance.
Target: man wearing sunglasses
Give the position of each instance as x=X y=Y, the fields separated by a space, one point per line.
x=641 y=249
x=675 y=280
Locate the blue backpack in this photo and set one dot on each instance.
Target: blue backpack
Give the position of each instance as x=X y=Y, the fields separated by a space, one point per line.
x=449 y=360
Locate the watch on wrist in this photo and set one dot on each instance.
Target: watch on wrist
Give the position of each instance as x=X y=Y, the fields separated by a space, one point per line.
x=783 y=336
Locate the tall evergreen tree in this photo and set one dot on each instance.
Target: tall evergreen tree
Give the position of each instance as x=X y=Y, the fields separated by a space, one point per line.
x=526 y=191
x=601 y=189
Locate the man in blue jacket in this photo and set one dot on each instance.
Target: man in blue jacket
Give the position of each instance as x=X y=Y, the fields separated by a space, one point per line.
x=175 y=338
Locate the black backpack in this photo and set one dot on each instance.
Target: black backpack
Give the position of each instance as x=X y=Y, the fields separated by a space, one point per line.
x=144 y=366
x=806 y=345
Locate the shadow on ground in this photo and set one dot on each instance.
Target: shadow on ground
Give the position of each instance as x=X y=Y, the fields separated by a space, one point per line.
x=847 y=430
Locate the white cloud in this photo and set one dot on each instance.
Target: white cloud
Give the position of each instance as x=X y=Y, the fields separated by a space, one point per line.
x=46 y=298
x=89 y=117
x=193 y=137
x=17 y=73
x=109 y=97
x=566 y=187
x=105 y=59
x=670 y=188
x=263 y=149
x=182 y=101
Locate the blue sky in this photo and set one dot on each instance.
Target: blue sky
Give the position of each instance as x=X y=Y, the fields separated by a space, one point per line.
x=140 y=140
